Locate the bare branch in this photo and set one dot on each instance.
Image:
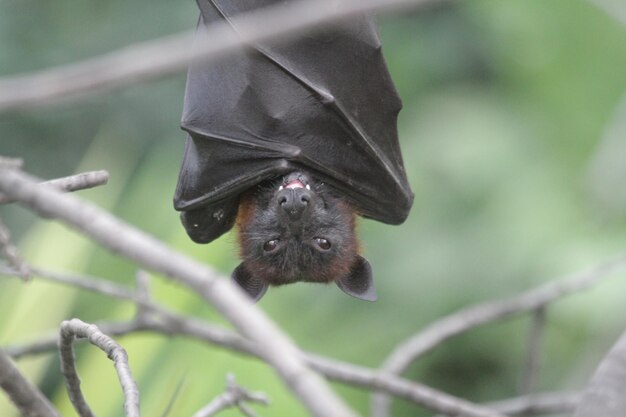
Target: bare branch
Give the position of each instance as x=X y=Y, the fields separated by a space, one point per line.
x=163 y=321
x=605 y=395
x=99 y=286
x=9 y=162
x=606 y=171
x=78 y=329
x=332 y=369
x=546 y=403
x=274 y=346
x=537 y=404
x=171 y=54
x=533 y=357
x=72 y=183
x=9 y=252
x=142 y=293
x=235 y=396
x=160 y=320
x=402 y=388
x=464 y=320
x=50 y=342
x=26 y=397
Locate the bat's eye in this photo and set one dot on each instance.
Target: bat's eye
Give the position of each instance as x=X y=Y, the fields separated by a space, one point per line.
x=270 y=245
x=322 y=243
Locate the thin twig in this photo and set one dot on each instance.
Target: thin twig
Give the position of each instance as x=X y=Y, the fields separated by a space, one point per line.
x=461 y=321
x=275 y=347
x=537 y=404
x=402 y=388
x=168 y=55
x=160 y=320
x=235 y=396
x=333 y=369
x=166 y=322
x=606 y=170
x=71 y=183
x=170 y=403
x=142 y=292
x=26 y=397
x=72 y=329
x=50 y=342
x=9 y=252
x=10 y=162
x=99 y=286
x=533 y=356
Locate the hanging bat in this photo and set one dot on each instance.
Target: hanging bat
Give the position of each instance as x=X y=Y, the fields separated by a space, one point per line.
x=291 y=140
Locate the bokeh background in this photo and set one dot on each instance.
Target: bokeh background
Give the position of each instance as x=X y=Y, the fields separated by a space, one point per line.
x=514 y=138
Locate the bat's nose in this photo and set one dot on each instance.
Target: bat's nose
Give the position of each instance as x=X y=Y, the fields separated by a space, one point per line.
x=294 y=201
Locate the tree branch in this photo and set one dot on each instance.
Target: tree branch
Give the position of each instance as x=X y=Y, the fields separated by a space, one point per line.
x=165 y=56
x=533 y=356
x=26 y=397
x=461 y=321
x=10 y=162
x=547 y=403
x=333 y=369
x=235 y=396
x=72 y=183
x=157 y=319
x=161 y=320
x=412 y=391
x=9 y=252
x=539 y=404
x=274 y=346
x=77 y=329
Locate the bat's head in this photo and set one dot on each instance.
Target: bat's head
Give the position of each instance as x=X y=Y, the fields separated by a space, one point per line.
x=294 y=229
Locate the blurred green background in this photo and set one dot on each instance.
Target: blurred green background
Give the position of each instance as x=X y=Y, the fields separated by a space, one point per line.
x=514 y=138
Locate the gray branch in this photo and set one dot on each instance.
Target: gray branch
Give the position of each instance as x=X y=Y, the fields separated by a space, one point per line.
x=165 y=322
x=155 y=318
x=274 y=346
x=9 y=252
x=72 y=183
x=72 y=329
x=546 y=403
x=605 y=395
x=235 y=396
x=537 y=404
x=402 y=388
x=165 y=56
x=9 y=162
x=26 y=397
x=533 y=356
x=461 y=321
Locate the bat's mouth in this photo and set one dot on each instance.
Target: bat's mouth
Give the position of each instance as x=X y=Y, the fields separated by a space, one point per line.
x=295 y=181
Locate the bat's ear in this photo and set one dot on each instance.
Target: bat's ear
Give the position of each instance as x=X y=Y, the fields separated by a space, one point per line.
x=254 y=287
x=359 y=282
x=207 y=223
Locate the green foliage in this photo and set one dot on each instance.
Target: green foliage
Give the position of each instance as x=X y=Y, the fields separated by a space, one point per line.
x=505 y=107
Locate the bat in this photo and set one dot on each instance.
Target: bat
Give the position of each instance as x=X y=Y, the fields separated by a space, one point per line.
x=290 y=140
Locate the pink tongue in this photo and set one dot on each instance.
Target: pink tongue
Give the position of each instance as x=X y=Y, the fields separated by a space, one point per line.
x=295 y=184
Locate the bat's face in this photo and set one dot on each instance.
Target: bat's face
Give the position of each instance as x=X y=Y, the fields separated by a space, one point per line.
x=295 y=229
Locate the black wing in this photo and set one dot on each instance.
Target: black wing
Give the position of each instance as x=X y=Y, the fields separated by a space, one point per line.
x=323 y=102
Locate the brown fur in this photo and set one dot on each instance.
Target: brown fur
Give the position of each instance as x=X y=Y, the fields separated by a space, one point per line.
x=245 y=214
x=338 y=266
